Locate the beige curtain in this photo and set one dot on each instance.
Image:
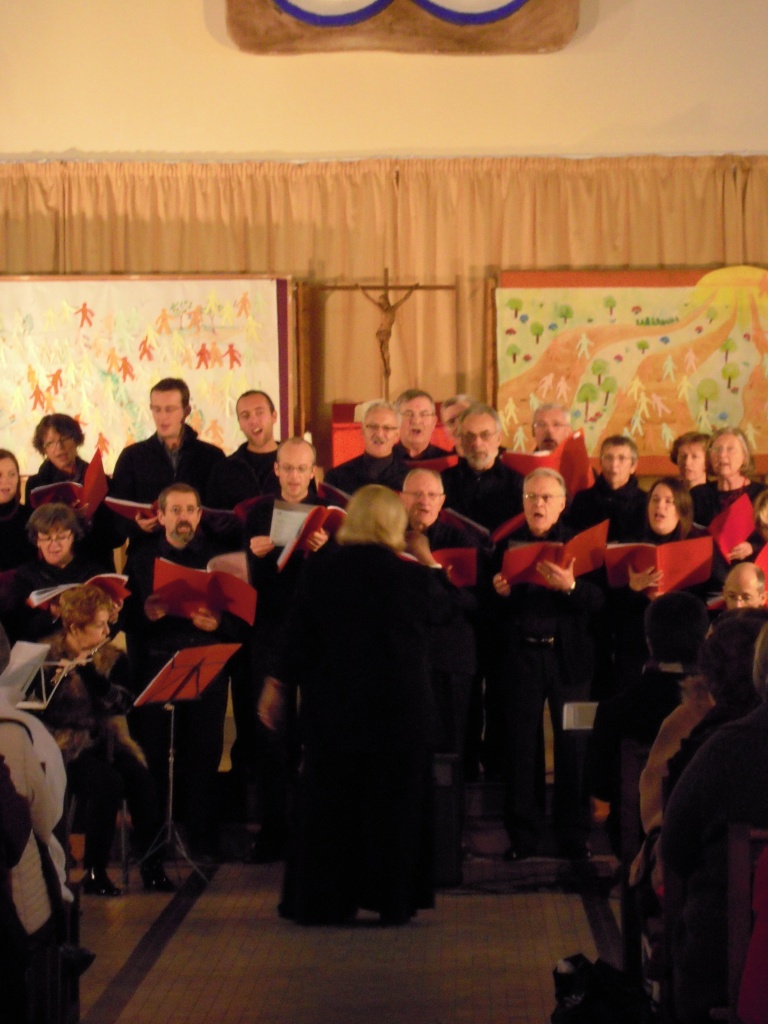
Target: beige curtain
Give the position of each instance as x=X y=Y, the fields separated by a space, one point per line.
x=436 y=222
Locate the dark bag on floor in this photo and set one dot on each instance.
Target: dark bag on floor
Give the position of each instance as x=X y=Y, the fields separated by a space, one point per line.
x=596 y=993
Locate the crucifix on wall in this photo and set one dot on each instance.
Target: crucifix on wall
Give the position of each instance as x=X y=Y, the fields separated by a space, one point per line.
x=388 y=312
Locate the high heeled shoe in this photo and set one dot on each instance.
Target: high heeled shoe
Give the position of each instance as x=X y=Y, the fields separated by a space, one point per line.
x=96 y=882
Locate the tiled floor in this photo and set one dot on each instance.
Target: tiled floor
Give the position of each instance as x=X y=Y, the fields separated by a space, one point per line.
x=220 y=953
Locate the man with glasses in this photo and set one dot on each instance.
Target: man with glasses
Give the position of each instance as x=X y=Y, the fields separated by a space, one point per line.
x=549 y=659
x=744 y=587
x=616 y=494
x=154 y=636
x=272 y=758
x=487 y=491
x=453 y=646
x=174 y=454
x=417 y=419
x=551 y=426
x=377 y=464
x=481 y=486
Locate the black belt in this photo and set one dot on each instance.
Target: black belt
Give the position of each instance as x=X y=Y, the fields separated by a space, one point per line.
x=539 y=641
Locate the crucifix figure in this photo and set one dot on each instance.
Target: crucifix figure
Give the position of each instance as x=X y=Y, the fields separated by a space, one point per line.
x=384 y=333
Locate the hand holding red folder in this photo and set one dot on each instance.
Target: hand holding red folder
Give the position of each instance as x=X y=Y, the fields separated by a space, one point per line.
x=732 y=527
x=681 y=563
x=86 y=496
x=581 y=554
x=192 y=593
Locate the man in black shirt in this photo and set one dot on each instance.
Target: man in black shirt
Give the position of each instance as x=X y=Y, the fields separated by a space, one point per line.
x=377 y=464
x=250 y=470
x=616 y=494
x=416 y=411
x=154 y=637
x=174 y=454
x=487 y=491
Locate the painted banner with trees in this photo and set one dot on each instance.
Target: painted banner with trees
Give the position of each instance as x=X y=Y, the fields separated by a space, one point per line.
x=650 y=354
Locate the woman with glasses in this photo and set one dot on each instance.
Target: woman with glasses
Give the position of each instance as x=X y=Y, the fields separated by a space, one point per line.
x=57 y=438
x=54 y=530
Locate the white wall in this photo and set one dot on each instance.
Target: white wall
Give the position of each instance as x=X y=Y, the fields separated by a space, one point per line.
x=127 y=79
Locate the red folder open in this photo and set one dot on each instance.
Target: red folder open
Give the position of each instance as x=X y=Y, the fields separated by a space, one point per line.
x=461 y=564
x=86 y=496
x=570 y=459
x=683 y=562
x=321 y=517
x=587 y=547
x=733 y=525
x=183 y=591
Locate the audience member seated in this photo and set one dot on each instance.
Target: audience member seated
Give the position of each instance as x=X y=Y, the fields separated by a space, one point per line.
x=675 y=626
x=15 y=546
x=57 y=438
x=727 y=781
x=27 y=922
x=549 y=659
x=689 y=454
x=359 y=655
x=377 y=464
x=725 y=663
x=744 y=587
x=56 y=530
x=86 y=715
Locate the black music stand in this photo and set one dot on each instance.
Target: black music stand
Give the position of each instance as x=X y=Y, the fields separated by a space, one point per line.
x=183 y=678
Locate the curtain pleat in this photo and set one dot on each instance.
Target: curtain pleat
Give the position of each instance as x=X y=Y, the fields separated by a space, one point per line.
x=433 y=222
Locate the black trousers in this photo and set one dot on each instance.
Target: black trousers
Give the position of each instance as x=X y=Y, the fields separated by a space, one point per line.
x=100 y=786
x=536 y=675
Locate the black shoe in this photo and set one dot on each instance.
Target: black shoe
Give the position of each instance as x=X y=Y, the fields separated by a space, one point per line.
x=266 y=849
x=76 y=959
x=96 y=882
x=155 y=879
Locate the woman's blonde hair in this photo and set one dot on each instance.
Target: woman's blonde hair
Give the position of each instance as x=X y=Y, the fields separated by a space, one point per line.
x=375 y=515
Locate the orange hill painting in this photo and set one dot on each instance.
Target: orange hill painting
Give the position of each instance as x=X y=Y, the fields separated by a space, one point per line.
x=649 y=354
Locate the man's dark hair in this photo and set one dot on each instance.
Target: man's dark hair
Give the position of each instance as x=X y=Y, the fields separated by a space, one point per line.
x=180 y=488
x=64 y=425
x=675 y=627
x=173 y=384
x=264 y=395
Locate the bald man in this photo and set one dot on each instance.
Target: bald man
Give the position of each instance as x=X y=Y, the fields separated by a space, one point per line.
x=744 y=587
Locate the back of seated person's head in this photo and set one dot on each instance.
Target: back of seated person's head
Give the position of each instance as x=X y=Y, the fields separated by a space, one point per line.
x=675 y=627
x=726 y=659
x=760 y=666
